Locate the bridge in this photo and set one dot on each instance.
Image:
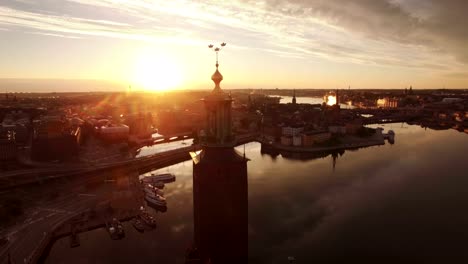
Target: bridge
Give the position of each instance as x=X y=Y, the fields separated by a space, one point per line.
x=171 y=136
x=142 y=165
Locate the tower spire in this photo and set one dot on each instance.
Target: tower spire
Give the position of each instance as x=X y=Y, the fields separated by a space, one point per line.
x=218 y=105
x=217 y=77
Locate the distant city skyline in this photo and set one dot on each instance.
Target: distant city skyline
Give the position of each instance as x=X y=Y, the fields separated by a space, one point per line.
x=163 y=45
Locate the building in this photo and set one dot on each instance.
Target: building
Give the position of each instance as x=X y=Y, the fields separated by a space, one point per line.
x=297 y=140
x=272 y=133
x=49 y=127
x=114 y=133
x=52 y=141
x=292 y=130
x=220 y=198
x=337 y=129
x=8 y=148
x=387 y=103
x=140 y=125
x=286 y=140
x=310 y=138
x=451 y=100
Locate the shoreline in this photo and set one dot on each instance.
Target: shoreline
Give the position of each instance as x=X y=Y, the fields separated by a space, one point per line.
x=375 y=140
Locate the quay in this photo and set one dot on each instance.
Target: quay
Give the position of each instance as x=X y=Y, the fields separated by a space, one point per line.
x=76 y=224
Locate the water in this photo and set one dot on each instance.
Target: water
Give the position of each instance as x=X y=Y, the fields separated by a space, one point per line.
x=408 y=199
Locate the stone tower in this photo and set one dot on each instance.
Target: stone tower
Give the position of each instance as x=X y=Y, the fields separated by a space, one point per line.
x=220 y=186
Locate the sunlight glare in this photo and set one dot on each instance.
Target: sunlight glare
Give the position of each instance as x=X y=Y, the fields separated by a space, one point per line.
x=156 y=72
x=331 y=100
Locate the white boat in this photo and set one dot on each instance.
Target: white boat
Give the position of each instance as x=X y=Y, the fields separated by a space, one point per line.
x=156 y=200
x=147 y=180
x=158 y=184
x=165 y=177
x=150 y=190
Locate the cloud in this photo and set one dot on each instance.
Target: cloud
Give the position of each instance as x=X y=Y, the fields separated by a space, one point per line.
x=457 y=75
x=398 y=33
x=432 y=24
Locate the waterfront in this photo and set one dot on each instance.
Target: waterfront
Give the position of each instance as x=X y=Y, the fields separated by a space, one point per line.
x=405 y=199
x=308 y=100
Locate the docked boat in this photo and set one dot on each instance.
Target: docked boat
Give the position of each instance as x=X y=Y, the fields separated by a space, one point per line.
x=156 y=200
x=138 y=225
x=149 y=188
x=391 y=136
x=147 y=180
x=115 y=229
x=165 y=177
x=153 y=192
x=159 y=184
x=159 y=208
x=156 y=183
x=148 y=219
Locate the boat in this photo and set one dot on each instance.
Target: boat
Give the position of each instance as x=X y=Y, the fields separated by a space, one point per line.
x=165 y=177
x=147 y=180
x=159 y=184
x=138 y=225
x=115 y=229
x=149 y=188
x=153 y=192
x=156 y=200
x=159 y=208
x=147 y=219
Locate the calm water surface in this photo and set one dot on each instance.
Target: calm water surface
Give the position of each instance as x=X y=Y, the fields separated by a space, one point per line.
x=388 y=203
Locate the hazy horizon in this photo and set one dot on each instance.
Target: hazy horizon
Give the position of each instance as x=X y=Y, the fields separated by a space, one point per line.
x=27 y=85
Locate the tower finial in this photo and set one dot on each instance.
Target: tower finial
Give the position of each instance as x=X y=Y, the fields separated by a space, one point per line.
x=217 y=77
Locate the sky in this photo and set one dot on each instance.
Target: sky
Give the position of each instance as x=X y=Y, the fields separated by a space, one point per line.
x=161 y=45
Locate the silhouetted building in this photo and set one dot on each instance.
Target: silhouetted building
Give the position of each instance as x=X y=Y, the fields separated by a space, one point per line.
x=52 y=141
x=8 y=148
x=220 y=186
x=294 y=97
x=139 y=125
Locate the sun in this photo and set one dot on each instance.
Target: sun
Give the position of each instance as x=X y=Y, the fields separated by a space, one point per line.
x=156 y=72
